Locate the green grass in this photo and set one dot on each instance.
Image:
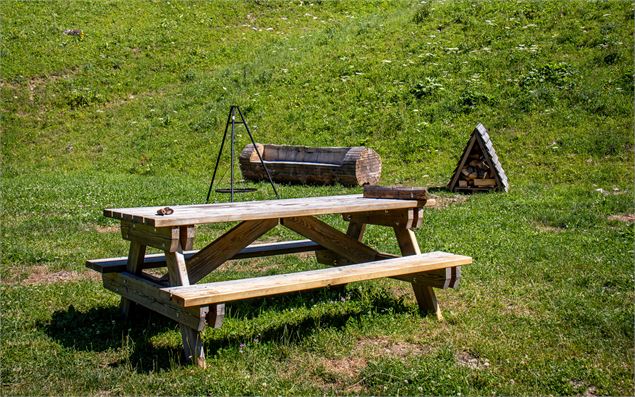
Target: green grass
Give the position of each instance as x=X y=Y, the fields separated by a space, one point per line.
x=130 y=114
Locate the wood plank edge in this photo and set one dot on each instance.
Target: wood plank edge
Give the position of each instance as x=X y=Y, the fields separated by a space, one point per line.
x=172 y=292
x=149 y=295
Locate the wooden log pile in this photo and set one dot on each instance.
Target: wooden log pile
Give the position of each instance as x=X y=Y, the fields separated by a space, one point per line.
x=479 y=168
x=477 y=173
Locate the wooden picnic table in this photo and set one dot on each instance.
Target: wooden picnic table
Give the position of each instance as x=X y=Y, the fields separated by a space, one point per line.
x=194 y=306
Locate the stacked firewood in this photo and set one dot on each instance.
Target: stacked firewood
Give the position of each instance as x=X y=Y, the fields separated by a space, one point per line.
x=479 y=168
x=477 y=173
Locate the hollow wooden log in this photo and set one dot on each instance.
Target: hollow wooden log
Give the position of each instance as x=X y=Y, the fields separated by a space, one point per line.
x=350 y=166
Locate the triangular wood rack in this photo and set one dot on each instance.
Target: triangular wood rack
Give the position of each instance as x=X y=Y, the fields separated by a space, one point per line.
x=479 y=168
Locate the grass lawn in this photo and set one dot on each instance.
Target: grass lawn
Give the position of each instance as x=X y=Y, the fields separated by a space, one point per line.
x=130 y=113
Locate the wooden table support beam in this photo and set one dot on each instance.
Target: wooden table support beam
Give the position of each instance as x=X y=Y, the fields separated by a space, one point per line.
x=354 y=230
x=147 y=293
x=332 y=239
x=165 y=238
x=136 y=255
x=426 y=298
x=226 y=247
x=192 y=340
x=410 y=218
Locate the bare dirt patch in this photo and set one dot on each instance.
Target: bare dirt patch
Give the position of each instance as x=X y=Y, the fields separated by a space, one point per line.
x=344 y=371
x=590 y=391
x=107 y=229
x=40 y=81
x=628 y=218
x=43 y=275
x=386 y=347
x=466 y=359
x=442 y=202
x=518 y=310
x=348 y=367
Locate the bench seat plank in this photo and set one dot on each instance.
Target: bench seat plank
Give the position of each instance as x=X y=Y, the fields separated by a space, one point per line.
x=117 y=265
x=226 y=291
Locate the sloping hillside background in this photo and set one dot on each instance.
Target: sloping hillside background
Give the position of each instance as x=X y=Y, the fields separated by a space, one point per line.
x=130 y=112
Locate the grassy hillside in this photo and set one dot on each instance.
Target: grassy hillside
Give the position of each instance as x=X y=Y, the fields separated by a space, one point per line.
x=130 y=113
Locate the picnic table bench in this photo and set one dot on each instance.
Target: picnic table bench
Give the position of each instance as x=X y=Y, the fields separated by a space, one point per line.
x=195 y=306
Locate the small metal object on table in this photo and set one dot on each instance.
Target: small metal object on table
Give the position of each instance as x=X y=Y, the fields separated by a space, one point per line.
x=194 y=307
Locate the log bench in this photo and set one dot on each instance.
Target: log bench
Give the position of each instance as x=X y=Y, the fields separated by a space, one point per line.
x=350 y=166
x=177 y=295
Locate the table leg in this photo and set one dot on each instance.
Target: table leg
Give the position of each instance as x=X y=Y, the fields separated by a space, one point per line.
x=216 y=313
x=426 y=298
x=136 y=256
x=356 y=230
x=192 y=341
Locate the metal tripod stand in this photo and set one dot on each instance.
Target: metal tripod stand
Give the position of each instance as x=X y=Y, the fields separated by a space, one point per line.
x=231 y=119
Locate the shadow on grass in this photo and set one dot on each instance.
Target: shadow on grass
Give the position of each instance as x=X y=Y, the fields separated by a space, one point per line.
x=100 y=329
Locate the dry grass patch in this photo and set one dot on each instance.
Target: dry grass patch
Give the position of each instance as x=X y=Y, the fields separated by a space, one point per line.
x=345 y=374
x=442 y=202
x=629 y=218
x=40 y=274
x=466 y=359
x=330 y=375
x=519 y=309
x=107 y=229
x=342 y=374
x=548 y=228
x=590 y=391
x=383 y=346
x=348 y=367
x=37 y=82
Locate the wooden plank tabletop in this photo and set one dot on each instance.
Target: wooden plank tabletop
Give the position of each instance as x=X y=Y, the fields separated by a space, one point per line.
x=253 y=210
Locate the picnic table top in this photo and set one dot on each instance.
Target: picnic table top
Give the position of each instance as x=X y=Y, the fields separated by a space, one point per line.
x=254 y=210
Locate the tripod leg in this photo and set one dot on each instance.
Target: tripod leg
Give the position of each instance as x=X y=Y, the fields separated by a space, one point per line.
x=220 y=151
x=258 y=153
